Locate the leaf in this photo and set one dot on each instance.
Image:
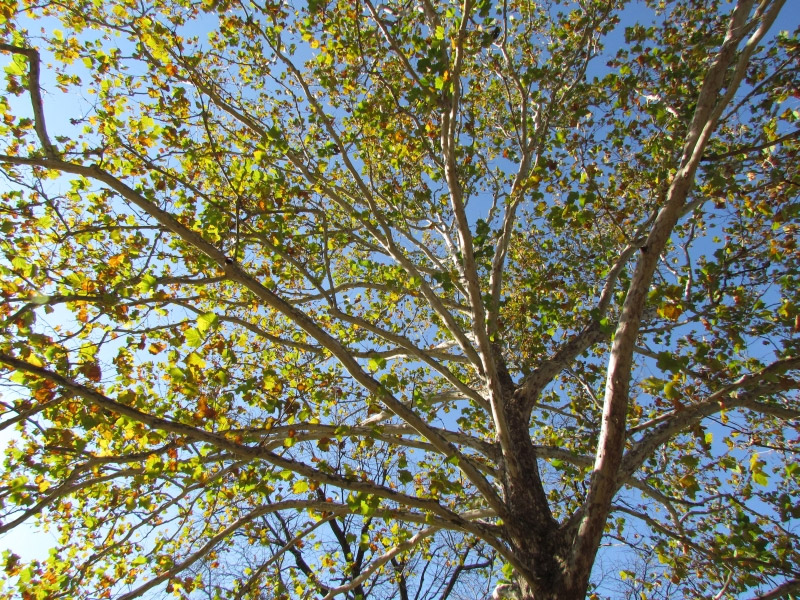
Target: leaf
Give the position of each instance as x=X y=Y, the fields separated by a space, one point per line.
x=18 y=66
x=670 y=391
x=116 y=260
x=667 y=361
x=91 y=371
x=34 y=360
x=671 y=312
x=147 y=283
x=377 y=363
x=9 y=8
x=206 y=321
x=194 y=360
x=194 y=338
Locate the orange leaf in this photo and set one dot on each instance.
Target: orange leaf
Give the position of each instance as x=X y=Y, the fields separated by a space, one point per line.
x=116 y=260
x=91 y=371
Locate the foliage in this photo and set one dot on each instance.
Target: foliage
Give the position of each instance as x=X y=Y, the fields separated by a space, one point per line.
x=401 y=300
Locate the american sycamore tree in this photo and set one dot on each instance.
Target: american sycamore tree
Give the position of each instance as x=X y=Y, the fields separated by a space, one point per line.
x=426 y=300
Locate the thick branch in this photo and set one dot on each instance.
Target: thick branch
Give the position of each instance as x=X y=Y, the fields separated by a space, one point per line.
x=36 y=95
x=611 y=441
x=743 y=393
x=782 y=591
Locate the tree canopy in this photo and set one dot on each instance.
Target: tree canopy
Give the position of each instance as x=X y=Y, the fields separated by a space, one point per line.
x=340 y=299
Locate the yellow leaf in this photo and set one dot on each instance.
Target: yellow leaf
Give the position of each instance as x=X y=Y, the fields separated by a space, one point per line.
x=670 y=311
x=34 y=360
x=194 y=360
x=272 y=383
x=115 y=261
x=147 y=123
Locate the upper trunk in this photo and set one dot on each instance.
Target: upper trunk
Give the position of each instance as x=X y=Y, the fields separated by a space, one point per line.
x=540 y=545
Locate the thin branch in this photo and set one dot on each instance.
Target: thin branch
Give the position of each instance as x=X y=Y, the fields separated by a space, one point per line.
x=206 y=548
x=749 y=149
x=219 y=440
x=743 y=393
x=251 y=582
x=382 y=560
x=237 y=273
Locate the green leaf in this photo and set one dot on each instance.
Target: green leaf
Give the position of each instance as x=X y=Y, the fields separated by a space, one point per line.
x=376 y=364
x=667 y=361
x=18 y=66
x=194 y=338
x=206 y=321
x=147 y=283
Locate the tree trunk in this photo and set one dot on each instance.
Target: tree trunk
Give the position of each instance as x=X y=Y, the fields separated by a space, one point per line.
x=541 y=545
